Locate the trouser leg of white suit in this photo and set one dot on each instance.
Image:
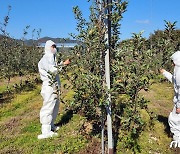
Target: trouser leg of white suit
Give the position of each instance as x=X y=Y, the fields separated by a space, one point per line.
x=46 y=113
x=55 y=112
x=174 y=123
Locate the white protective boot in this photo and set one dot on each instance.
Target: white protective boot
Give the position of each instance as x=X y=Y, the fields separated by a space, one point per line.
x=46 y=132
x=175 y=142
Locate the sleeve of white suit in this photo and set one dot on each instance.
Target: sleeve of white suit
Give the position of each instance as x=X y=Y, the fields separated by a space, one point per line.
x=52 y=68
x=48 y=66
x=178 y=89
x=168 y=75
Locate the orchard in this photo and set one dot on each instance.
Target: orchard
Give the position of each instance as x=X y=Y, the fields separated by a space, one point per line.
x=134 y=67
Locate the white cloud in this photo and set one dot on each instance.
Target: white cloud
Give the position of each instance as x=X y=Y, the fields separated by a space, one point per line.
x=143 y=21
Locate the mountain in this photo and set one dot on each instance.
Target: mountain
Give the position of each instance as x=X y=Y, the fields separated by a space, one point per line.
x=44 y=39
x=30 y=42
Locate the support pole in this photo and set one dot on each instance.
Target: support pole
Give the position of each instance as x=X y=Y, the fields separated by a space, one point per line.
x=107 y=74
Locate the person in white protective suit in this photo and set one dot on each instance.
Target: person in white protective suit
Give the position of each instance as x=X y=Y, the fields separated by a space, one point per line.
x=174 y=116
x=50 y=108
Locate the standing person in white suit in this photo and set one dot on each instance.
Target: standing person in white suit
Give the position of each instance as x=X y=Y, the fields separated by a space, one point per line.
x=50 y=108
x=174 y=116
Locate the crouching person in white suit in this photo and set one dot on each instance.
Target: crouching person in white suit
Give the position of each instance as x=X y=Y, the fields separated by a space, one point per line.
x=50 y=108
x=174 y=116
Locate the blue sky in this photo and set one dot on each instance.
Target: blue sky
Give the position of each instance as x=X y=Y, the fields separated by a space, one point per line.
x=56 y=19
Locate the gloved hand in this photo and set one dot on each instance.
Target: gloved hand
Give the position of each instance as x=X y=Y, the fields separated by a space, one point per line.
x=66 y=62
x=162 y=70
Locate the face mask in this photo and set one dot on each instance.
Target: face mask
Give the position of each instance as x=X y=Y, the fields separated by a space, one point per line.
x=54 y=50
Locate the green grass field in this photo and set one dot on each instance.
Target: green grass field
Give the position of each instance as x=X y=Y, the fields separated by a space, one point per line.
x=19 y=124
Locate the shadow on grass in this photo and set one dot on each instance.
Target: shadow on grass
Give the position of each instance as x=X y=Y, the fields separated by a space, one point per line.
x=164 y=120
x=5 y=98
x=65 y=118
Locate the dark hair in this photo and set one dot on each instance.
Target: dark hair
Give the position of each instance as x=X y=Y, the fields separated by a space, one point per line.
x=54 y=45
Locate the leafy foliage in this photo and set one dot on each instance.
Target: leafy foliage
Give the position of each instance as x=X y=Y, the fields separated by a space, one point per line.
x=133 y=64
x=130 y=74
x=163 y=44
x=17 y=58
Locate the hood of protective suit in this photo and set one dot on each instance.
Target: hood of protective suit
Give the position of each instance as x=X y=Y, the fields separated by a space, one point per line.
x=48 y=45
x=176 y=58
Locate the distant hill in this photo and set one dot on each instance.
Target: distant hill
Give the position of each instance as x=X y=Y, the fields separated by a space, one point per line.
x=44 y=39
x=30 y=42
x=1 y=36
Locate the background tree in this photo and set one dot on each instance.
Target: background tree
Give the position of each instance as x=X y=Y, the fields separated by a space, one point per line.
x=129 y=75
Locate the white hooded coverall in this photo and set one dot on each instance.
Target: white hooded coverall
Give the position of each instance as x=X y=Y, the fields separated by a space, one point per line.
x=50 y=106
x=174 y=118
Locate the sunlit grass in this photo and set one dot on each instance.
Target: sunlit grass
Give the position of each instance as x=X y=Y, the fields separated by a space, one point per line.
x=21 y=126
x=16 y=106
x=20 y=120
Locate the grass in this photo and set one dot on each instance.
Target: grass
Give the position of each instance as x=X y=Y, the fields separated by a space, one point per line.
x=15 y=80
x=19 y=120
x=160 y=96
x=68 y=141
x=157 y=140
x=3 y=88
x=18 y=104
